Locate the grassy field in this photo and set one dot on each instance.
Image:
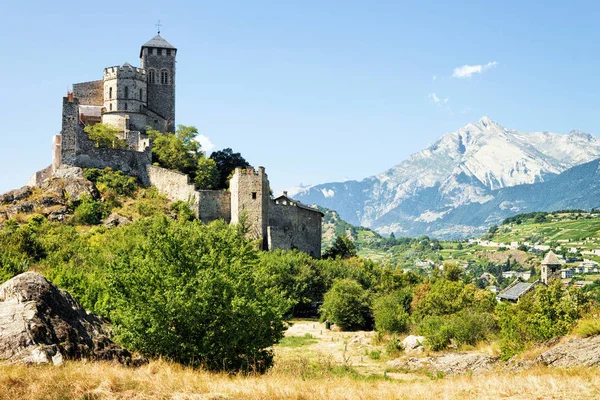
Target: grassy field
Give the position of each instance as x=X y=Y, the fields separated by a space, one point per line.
x=312 y=363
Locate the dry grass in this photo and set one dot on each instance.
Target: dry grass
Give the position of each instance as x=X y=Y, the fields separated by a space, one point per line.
x=162 y=380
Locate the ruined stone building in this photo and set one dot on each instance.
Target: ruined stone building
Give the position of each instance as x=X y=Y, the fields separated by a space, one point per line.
x=132 y=99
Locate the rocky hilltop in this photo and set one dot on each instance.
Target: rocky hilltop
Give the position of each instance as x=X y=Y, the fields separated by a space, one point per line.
x=465 y=167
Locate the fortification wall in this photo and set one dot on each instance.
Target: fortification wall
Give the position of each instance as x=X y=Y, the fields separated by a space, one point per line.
x=175 y=185
x=215 y=204
x=293 y=227
x=89 y=93
x=130 y=162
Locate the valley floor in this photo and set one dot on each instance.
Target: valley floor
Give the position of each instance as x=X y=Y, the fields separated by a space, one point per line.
x=311 y=363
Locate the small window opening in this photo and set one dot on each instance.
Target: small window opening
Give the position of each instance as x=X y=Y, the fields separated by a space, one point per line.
x=164 y=77
x=253 y=195
x=168 y=52
x=110 y=107
x=141 y=94
x=110 y=93
x=125 y=106
x=126 y=92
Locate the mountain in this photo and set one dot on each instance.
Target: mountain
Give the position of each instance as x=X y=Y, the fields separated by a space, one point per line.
x=422 y=195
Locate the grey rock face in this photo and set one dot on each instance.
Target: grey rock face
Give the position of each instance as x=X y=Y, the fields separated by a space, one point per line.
x=584 y=352
x=114 y=220
x=448 y=364
x=41 y=324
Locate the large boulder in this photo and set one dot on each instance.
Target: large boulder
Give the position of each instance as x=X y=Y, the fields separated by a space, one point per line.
x=41 y=324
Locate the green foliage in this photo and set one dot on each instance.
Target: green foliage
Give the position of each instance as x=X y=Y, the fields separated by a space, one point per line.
x=188 y=292
x=297 y=341
x=295 y=275
x=437 y=332
x=343 y=247
x=177 y=151
x=227 y=161
x=105 y=135
x=375 y=354
x=346 y=304
x=207 y=174
x=89 y=211
x=390 y=312
x=107 y=180
x=542 y=314
x=587 y=327
x=464 y=328
x=182 y=210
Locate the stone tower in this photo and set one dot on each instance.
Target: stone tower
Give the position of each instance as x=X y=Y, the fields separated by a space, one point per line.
x=550 y=267
x=125 y=94
x=250 y=196
x=158 y=60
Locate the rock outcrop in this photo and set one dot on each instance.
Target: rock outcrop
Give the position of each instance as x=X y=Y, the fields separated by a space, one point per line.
x=447 y=364
x=579 y=351
x=41 y=324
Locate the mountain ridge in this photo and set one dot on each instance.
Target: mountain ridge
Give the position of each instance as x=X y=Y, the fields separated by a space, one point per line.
x=460 y=168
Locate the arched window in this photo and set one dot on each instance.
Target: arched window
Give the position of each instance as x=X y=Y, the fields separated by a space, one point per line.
x=126 y=92
x=151 y=76
x=110 y=93
x=164 y=77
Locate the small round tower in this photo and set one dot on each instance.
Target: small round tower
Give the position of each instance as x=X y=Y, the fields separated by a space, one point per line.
x=125 y=97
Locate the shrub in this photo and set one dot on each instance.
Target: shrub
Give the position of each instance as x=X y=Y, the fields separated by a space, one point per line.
x=437 y=332
x=587 y=327
x=375 y=355
x=89 y=211
x=390 y=314
x=107 y=180
x=188 y=292
x=346 y=304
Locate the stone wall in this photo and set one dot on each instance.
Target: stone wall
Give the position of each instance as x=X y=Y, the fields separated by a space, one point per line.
x=174 y=185
x=294 y=227
x=79 y=151
x=215 y=204
x=89 y=93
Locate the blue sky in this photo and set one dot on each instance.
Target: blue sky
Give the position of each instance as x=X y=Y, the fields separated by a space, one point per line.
x=315 y=91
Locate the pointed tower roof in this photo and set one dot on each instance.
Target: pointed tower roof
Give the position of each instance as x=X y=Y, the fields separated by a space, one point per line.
x=157 y=42
x=551 y=259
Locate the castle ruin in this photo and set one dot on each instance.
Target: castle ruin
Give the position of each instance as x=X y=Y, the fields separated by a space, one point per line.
x=133 y=99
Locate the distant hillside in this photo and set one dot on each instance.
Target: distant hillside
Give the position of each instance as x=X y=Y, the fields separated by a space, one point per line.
x=461 y=184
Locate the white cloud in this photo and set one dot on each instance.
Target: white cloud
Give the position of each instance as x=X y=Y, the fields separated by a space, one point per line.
x=467 y=70
x=437 y=100
x=207 y=145
x=434 y=78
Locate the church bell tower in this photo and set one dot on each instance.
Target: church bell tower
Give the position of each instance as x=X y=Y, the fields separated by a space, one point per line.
x=158 y=60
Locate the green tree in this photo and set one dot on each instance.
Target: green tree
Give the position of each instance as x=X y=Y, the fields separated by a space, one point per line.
x=343 y=247
x=105 y=135
x=227 y=161
x=346 y=304
x=207 y=174
x=188 y=292
x=390 y=312
x=178 y=151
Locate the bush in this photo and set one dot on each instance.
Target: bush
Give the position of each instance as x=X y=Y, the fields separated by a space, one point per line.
x=346 y=304
x=587 y=327
x=390 y=314
x=108 y=180
x=89 y=211
x=375 y=355
x=188 y=292
x=437 y=332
